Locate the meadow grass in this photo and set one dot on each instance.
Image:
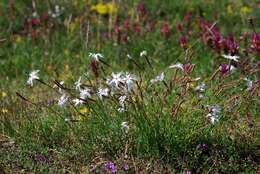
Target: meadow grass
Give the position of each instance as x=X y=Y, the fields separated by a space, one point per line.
x=201 y=117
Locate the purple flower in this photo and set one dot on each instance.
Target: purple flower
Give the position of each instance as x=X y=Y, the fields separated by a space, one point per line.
x=203 y=147
x=188 y=172
x=231 y=45
x=225 y=68
x=111 y=166
x=125 y=167
x=255 y=45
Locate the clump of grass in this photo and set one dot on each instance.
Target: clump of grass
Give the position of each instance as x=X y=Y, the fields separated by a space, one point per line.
x=119 y=93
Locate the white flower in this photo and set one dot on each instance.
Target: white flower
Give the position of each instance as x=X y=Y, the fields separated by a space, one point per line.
x=143 y=53
x=249 y=84
x=57 y=9
x=158 y=78
x=213 y=118
x=213 y=114
x=62 y=100
x=235 y=58
x=85 y=93
x=122 y=103
x=116 y=80
x=178 y=65
x=125 y=126
x=201 y=88
x=102 y=92
x=121 y=109
x=122 y=100
x=33 y=76
x=96 y=56
x=128 y=56
x=129 y=80
x=77 y=101
x=78 y=84
x=34 y=14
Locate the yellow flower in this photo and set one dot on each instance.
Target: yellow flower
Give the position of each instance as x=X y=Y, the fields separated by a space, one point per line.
x=4 y=94
x=4 y=111
x=18 y=39
x=104 y=9
x=112 y=8
x=100 y=8
x=229 y=9
x=245 y=10
x=85 y=110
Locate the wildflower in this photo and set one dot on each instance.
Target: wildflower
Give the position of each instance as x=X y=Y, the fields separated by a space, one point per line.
x=4 y=94
x=102 y=92
x=125 y=126
x=112 y=8
x=203 y=146
x=94 y=64
x=245 y=10
x=77 y=101
x=141 y=8
x=34 y=14
x=104 y=9
x=4 y=110
x=184 y=41
x=188 y=67
x=116 y=80
x=125 y=167
x=122 y=103
x=85 y=93
x=96 y=56
x=85 y=110
x=213 y=114
x=137 y=28
x=111 y=166
x=177 y=65
x=231 y=45
x=127 y=24
x=235 y=58
x=33 y=76
x=225 y=68
x=128 y=56
x=249 y=84
x=255 y=44
x=62 y=100
x=35 y=21
x=78 y=84
x=201 y=88
x=158 y=78
x=165 y=30
x=143 y=53
x=100 y=8
x=129 y=81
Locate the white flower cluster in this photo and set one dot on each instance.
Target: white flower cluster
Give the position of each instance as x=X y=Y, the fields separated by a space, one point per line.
x=122 y=82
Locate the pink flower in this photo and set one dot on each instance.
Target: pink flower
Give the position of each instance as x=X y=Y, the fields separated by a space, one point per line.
x=165 y=30
x=225 y=69
x=255 y=44
x=231 y=45
x=184 y=41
